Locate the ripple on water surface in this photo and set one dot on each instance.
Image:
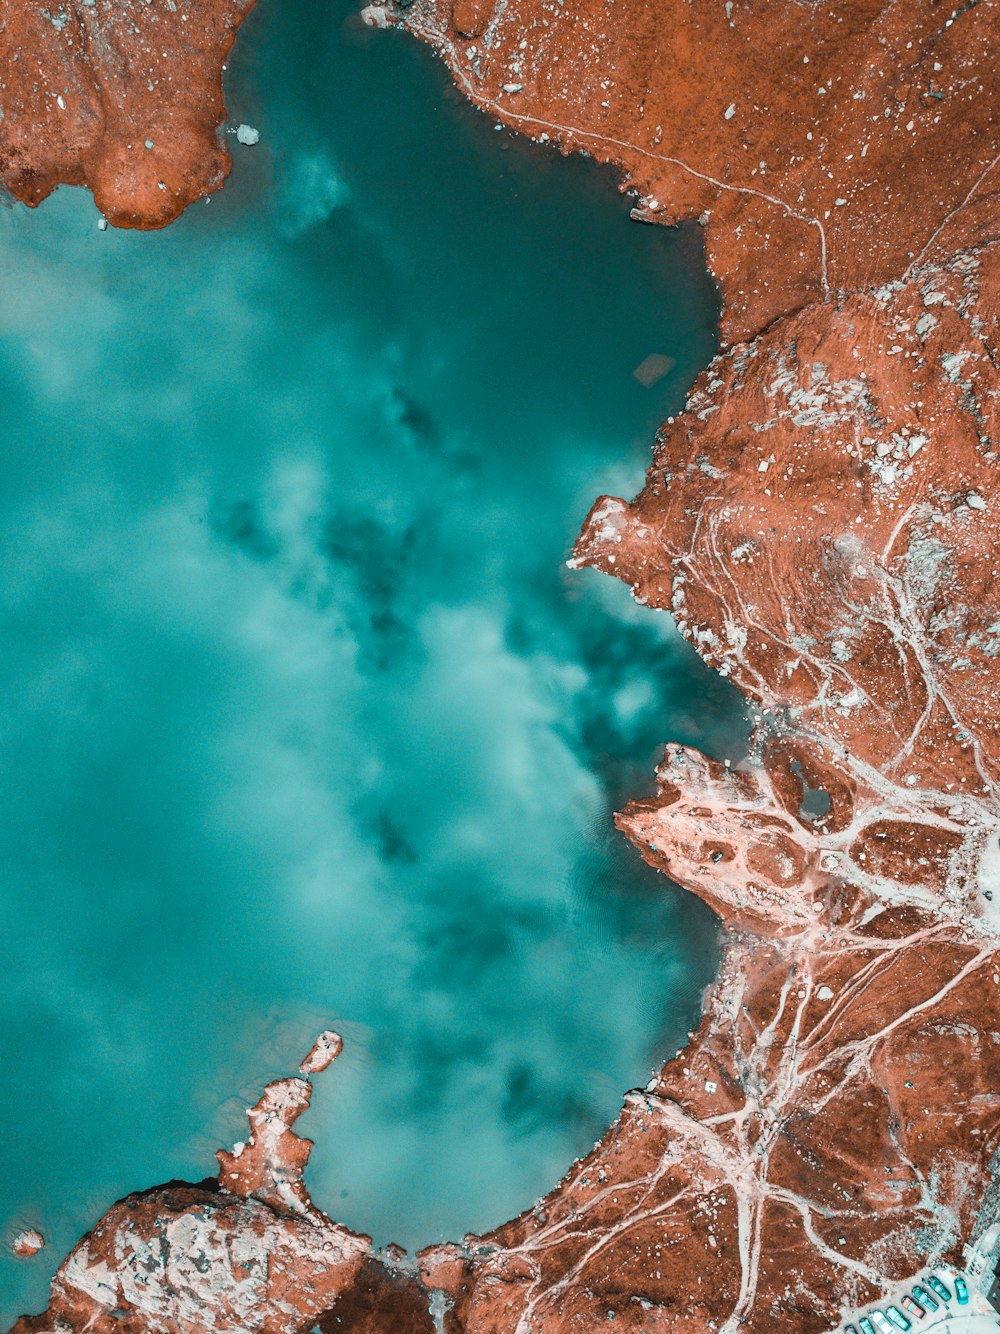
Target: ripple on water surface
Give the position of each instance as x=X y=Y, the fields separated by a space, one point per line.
x=303 y=721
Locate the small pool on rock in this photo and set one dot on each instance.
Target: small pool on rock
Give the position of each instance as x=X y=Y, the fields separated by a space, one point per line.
x=303 y=721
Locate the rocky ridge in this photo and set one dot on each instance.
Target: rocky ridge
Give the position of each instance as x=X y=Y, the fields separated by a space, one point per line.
x=821 y=522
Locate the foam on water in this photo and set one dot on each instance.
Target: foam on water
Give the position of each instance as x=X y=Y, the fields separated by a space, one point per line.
x=303 y=721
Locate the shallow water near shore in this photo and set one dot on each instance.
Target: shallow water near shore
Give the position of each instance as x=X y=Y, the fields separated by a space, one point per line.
x=303 y=721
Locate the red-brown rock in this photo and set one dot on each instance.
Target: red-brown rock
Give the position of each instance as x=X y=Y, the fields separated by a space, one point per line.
x=28 y=1242
x=122 y=96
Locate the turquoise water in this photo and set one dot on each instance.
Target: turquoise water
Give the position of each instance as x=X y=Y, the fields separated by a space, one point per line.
x=303 y=721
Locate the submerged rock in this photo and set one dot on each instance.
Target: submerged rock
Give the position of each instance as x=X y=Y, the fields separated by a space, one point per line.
x=654 y=368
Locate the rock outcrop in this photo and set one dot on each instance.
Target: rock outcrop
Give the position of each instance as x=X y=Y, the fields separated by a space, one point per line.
x=248 y=1251
x=821 y=520
x=123 y=96
x=27 y=1243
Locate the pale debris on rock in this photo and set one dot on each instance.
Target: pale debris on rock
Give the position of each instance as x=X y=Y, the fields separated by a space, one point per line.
x=28 y=1242
x=325 y=1050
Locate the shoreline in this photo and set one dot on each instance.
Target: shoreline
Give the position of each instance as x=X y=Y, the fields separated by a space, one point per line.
x=818 y=522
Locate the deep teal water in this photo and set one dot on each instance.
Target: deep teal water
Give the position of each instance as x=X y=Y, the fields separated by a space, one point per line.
x=303 y=721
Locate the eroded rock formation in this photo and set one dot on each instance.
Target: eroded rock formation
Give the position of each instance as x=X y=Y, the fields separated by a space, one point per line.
x=821 y=520
x=248 y=1251
x=123 y=96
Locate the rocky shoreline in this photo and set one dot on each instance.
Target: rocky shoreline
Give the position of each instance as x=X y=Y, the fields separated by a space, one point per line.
x=120 y=96
x=821 y=521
